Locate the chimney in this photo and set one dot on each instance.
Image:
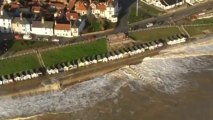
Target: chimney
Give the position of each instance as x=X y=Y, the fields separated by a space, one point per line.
x=2 y=10
x=21 y=16
x=42 y=20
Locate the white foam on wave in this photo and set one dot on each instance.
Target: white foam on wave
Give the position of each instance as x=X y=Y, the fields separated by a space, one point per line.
x=164 y=74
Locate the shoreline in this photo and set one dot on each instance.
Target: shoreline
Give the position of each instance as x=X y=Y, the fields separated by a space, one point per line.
x=60 y=81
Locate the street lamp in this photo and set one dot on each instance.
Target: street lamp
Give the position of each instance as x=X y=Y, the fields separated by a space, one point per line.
x=137 y=8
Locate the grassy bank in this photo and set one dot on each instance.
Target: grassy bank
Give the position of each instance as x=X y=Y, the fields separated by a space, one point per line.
x=150 y=9
x=141 y=15
x=154 y=34
x=203 y=21
x=18 y=64
x=15 y=46
x=197 y=30
x=74 y=52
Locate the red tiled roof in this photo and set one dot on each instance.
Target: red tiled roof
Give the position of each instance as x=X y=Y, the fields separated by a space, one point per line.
x=36 y=9
x=71 y=4
x=80 y=6
x=14 y=5
x=58 y=5
x=72 y=16
x=101 y=6
x=60 y=26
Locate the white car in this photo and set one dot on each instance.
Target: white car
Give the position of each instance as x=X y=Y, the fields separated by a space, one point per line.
x=55 y=40
x=27 y=37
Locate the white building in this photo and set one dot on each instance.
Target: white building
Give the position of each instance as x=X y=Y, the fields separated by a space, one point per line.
x=5 y=22
x=62 y=30
x=77 y=26
x=192 y=2
x=164 y=4
x=21 y=25
x=42 y=27
x=108 y=10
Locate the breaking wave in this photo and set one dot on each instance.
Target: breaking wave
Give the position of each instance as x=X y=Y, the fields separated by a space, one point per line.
x=163 y=72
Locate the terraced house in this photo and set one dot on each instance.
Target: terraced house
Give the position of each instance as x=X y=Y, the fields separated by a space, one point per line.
x=5 y=22
x=21 y=25
x=42 y=27
x=108 y=10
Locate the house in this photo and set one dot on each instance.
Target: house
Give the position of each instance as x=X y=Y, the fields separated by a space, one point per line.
x=1 y=80
x=22 y=77
x=108 y=9
x=66 y=68
x=159 y=43
x=49 y=71
x=5 y=22
x=54 y=69
x=89 y=59
x=77 y=26
x=26 y=75
x=57 y=5
x=59 y=67
x=165 y=4
x=62 y=30
x=192 y=2
x=21 y=25
x=74 y=63
x=9 y=78
x=36 y=9
x=38 y=71
x=72 y=16
x=81 y=7
x=4 y=79
x=94 y=59
x=104 y=58
x=69 y=65
x=124 y=53
x=16 y=77
x=81 y=63
x=33 y=74
x=42 y=27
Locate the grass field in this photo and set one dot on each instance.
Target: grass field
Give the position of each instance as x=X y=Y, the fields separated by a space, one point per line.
x=203 y=21
x=150 y=9
x=15 y=46
x=197 y=30
x=74 y=52
x=154 y=34
x=141 y=15
x=18 y=64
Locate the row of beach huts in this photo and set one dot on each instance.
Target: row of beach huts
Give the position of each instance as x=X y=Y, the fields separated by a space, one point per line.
x=109 y=56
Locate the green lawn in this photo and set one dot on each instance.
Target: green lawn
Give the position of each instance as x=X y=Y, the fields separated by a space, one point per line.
x=154 y=34
x=203 y=21
x=15 y=46
x=141 y=15
x=17 y=64
x=197 y=30
x=150 y=9
x=74 y=52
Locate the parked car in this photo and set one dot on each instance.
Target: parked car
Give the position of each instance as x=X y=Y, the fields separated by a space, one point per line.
x=45 y=39
x=27 y=37
x=55 y=40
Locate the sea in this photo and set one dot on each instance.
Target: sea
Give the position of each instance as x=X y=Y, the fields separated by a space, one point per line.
x=177 y=84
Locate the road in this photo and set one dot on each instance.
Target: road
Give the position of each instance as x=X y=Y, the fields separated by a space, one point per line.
x=123 y=17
